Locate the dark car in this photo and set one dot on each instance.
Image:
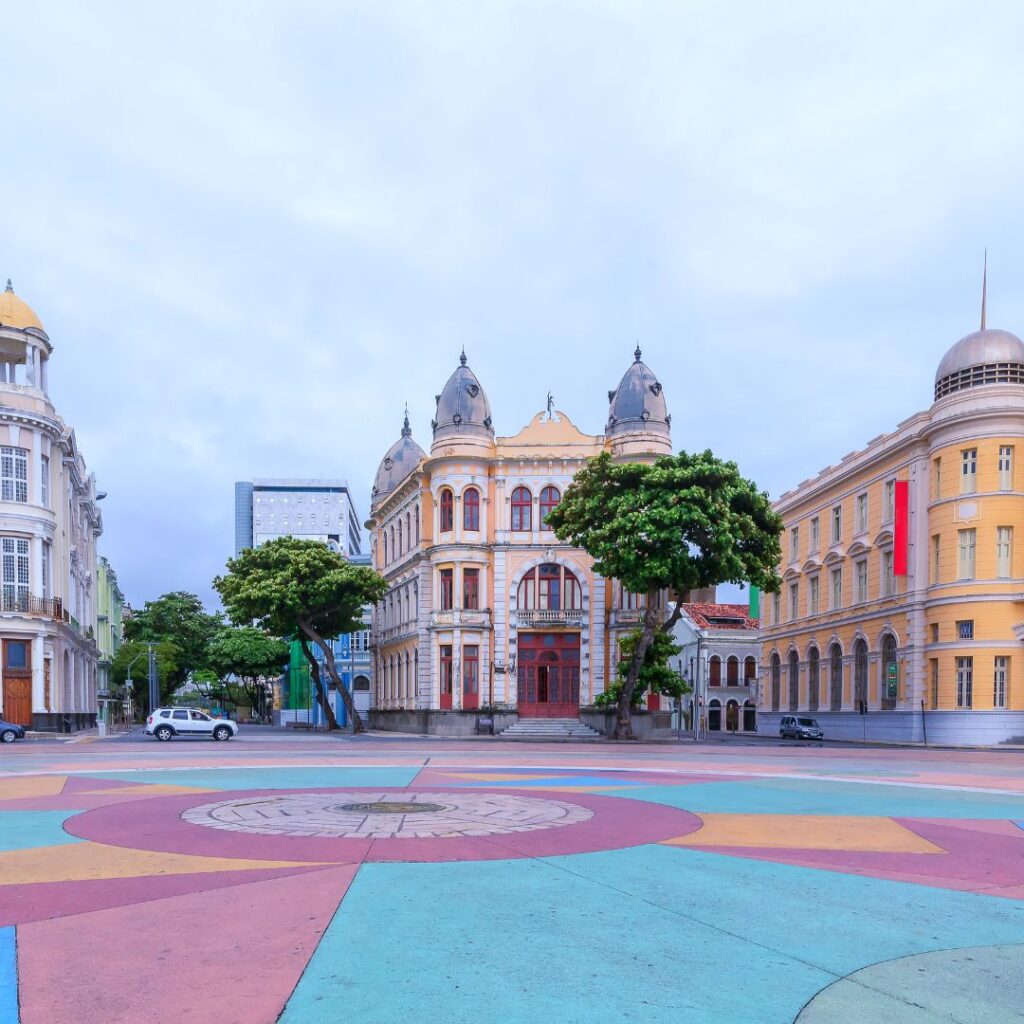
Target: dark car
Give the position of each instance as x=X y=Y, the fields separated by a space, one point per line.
x=800 y=728
x=9 y=732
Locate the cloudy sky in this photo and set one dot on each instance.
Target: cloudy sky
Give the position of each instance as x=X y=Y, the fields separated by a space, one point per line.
x=254 y=230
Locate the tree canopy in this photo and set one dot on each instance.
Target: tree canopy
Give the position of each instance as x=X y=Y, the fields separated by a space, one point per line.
x=168 y=665
x=683 y=522
x=246 y=660
x=303 y=589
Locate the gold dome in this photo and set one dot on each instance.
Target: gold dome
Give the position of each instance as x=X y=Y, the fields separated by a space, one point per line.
x=15 y=312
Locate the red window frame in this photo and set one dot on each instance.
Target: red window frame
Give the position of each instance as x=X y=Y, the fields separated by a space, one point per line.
x=549 y=499
x=732 y=671
x=471 y=509
x=447 y=589
x=471 y=588
x=446 y=676
x=522 y=510
x=471 y=676
x=539 y=585
x=715 y=671
x=447 y=511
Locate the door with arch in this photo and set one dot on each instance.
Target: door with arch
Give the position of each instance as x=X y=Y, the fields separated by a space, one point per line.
x=548 y=675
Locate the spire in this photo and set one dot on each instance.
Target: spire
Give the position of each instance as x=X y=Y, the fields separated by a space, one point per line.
x=984 y=289
x=636 y=353
x=10 y=287
x=462 y=358
x=406 y=429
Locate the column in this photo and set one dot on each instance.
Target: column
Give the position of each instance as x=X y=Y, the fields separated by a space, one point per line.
x=38 y=694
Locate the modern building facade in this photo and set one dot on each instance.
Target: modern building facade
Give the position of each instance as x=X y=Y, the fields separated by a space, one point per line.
x=720 y=657
x=901 y=614
x=312 y=509
x=49 y=524
x=485 y=606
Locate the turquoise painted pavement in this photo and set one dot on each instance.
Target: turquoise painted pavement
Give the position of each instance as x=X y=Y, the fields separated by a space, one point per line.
x=267 y=778
x=23 y=830
x=653 y=933
x=8 y=977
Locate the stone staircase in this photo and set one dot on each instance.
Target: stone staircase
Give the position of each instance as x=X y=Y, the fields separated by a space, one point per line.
x=549 y=729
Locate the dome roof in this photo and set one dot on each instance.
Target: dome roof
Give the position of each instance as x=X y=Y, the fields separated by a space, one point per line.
x=982 y=357
x=15 y=312
x=638 y=403
x=462 y=406
x=402 y=458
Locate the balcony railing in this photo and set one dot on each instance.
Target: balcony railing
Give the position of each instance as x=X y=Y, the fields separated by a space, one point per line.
x=41 y=607
x=626 y=617
x=550 y=616
x=449 y=617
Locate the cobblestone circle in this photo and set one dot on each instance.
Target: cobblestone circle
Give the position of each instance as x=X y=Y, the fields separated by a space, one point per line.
x=363 y=815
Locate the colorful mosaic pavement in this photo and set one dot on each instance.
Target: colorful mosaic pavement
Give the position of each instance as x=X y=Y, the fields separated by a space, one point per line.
x=463 y=886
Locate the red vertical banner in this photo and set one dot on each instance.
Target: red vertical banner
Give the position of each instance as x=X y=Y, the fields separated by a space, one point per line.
x=901 y=529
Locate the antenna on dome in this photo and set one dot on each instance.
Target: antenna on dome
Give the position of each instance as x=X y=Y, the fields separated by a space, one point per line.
x=10 y=287
x=406 y=430
x=984 y=289
x=462 y=358
x=636 y=352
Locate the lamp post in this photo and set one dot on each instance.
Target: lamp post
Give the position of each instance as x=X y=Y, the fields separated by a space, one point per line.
x=128 y=683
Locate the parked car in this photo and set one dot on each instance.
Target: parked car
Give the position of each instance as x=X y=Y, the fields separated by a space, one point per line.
x=800 y=728
x=166 y=723
x=9 y=732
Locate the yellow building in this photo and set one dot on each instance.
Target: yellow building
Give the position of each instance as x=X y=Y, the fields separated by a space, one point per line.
x=932 y=654
x=486 y=607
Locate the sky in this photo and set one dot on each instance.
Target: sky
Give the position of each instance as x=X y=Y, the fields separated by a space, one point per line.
x=253 y=231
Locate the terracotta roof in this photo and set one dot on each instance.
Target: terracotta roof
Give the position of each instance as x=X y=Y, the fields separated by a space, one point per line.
x=702 y=614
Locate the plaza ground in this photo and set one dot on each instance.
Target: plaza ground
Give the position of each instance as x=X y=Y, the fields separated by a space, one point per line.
x=307 y=878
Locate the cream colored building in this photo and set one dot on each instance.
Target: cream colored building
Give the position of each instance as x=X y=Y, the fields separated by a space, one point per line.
x=936 y=653
x=49 y=523
x=485 y=605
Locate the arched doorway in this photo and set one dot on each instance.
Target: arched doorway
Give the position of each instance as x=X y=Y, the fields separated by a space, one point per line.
x=835 y=683
x=549 y=675
x=813 y=678
x=776 y=664
x=794 y=680
x=890 y=670
x=715 y=716
x=749 y=716
x=860 y=675
x=732 y=716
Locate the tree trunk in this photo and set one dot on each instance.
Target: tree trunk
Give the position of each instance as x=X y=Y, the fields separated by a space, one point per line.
x=346 y=696
x=624 y=712
x=321 y=693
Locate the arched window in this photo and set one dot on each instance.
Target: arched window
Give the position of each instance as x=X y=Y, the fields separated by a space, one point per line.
x=398 y=550
x=749 y=716
x=408 y=530
x=549 y=498
x=888 y=659
x=415 y=673
x=749 y=671
x=794 y=680
x=471 y=509
x=835 y=682
x=732 y=671
x=715 y=671
x=417 y=524
x=776 y=681
x=860 y=674
x=813 y=678
x=447 y=511
x=522 y=509
x=394 y=550
x=714 y=716
x=549 y=587
x=408 y=681
x=384 y=534
x=361 y=684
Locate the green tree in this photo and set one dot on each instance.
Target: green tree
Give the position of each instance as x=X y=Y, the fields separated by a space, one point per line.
x=301 y=588
x=247 y=660
x=179 y=618
x=681 y=523
x=655 y=674
x=135 y=653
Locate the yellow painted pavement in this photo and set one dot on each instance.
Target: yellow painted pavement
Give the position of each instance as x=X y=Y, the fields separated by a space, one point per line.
x=31 y=785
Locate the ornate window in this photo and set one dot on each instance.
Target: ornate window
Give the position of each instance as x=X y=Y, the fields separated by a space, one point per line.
x=417 y=524
x=550 y=587
x=446 y=675
x=408 y=530
x=794 y=680
x=776 y=668
x=447 y=511
x=385 y=533
x=15 y=573
x=398 y=550
x=732 y=671
x=522 y=510
x=471 y=509
x=888 y=658
x=715 y=671
x=549 y=499
x=835 y=678
x=860 y=674
x=471 y=588
x=14 y=474
x=447 y=579
x=813 y=678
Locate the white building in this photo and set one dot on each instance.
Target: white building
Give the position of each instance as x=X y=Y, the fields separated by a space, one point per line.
x=49 y=523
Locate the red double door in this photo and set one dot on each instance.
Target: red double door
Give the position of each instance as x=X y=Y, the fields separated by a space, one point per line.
x=549 y=675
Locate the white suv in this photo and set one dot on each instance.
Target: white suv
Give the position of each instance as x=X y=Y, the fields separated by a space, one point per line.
x=166 y=723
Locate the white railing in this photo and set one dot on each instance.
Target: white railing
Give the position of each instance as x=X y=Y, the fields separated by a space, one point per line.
x=550 y=616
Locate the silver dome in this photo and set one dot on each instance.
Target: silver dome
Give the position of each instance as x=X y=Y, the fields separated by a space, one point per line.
x=638 y=403
x=462 y=406
x=982 y=357
x=402 y=458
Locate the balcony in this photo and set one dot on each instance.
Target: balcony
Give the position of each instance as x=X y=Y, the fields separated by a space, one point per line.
x=37 y=607
x=621 y=618
x=449 y=618
x=531 y=617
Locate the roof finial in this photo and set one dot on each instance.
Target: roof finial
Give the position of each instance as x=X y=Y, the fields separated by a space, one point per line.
x=406 y=429
x=984 y=288
x=462 y=358
x=636 y=352
x=10 y=287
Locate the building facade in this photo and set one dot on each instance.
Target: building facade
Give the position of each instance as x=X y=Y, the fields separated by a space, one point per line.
x=311 y=509
x=901 y=614
x=485 y=606
x=109 y=630
x=720 y=659
x=49 y=524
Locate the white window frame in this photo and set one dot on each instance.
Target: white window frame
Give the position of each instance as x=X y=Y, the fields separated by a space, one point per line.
x=889 y=501
x=1000 y=681
x=1006 y=467
x=1004 y=552
x=862 y=512
x=937 y=477
x=47 y=569
x=888 y=578
x=14 y=572
x=794 y=601
x=815 y=534
x=812 y=595
x=965 y=682
x=837 y=524
x=44 y=480
x=836 y=588
x=935 y=563
x=967 y=541
x=862 y=580
x=969 y=471
x=13 y=474
x=794 y=543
